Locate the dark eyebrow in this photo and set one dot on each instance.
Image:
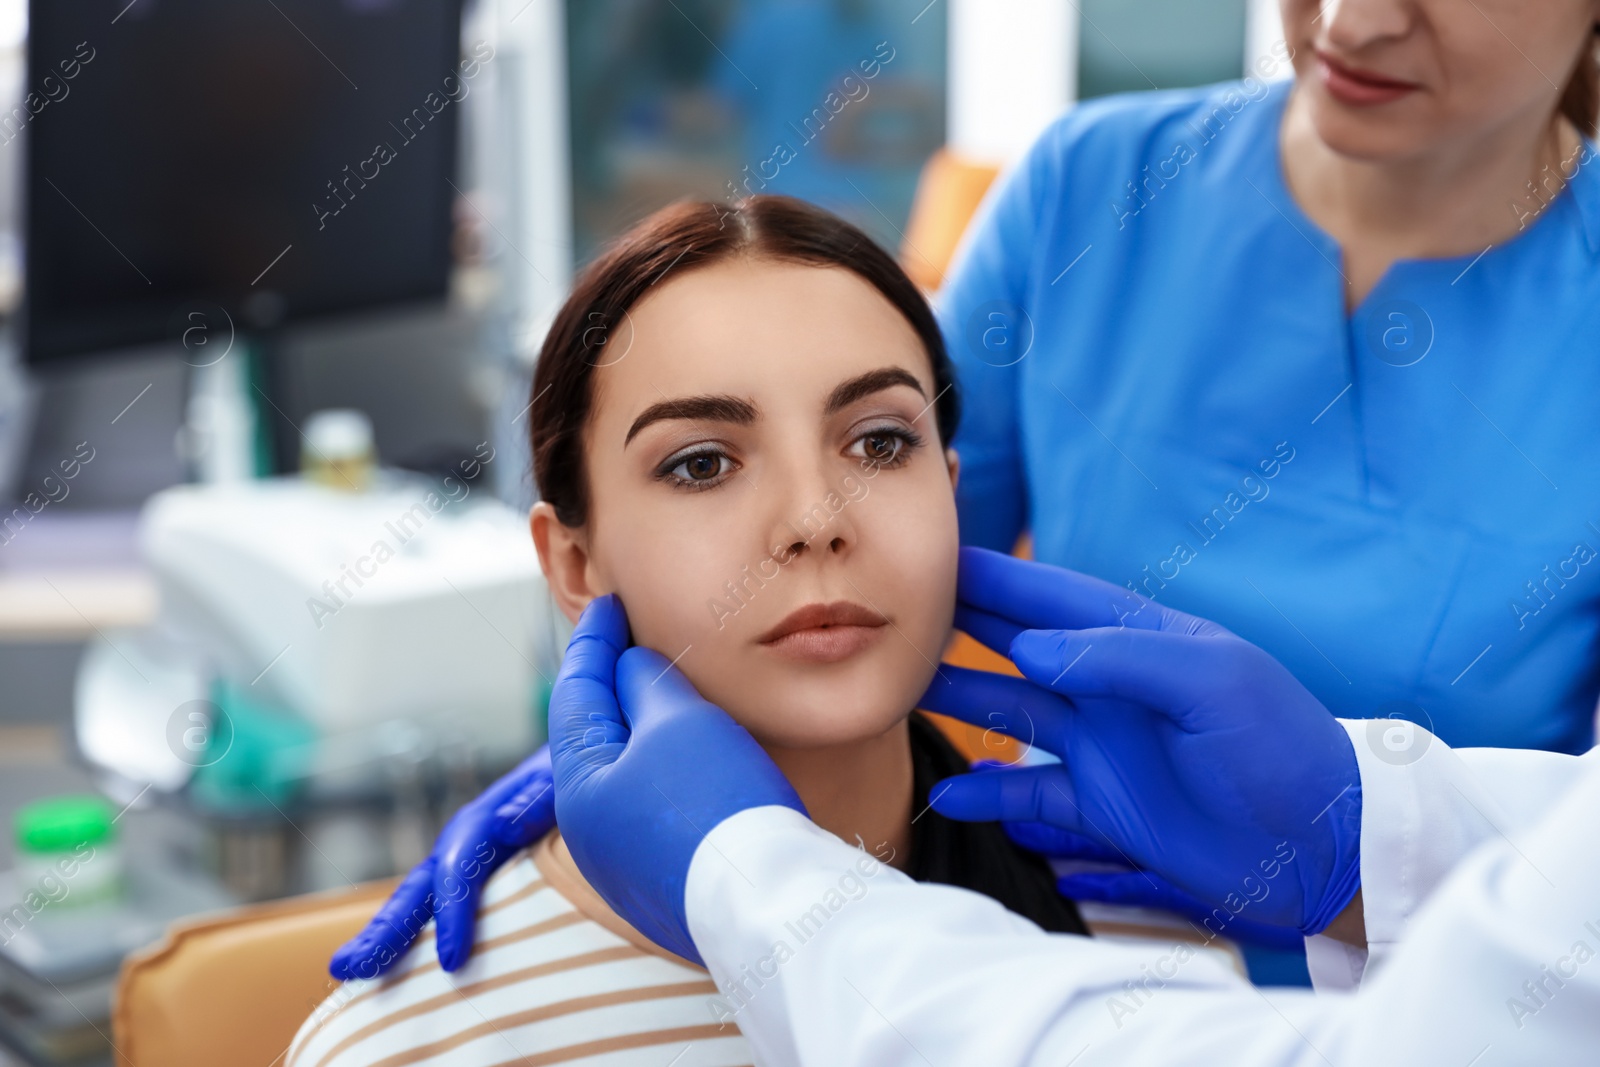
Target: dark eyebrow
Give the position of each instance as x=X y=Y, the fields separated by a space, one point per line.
x=847 y=393
x=718 y=408
x=724 y=408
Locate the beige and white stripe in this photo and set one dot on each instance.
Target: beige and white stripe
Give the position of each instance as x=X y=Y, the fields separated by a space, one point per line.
x=555 y=978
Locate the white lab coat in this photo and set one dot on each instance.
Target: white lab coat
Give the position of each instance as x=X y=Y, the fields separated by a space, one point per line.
x=1481 y=885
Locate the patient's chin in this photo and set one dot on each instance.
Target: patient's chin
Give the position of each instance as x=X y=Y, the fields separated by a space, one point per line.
x=811 y=734
x=792 y=703
x=822 y=716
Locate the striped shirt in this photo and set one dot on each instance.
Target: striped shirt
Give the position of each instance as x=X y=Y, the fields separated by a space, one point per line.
x=555 y=977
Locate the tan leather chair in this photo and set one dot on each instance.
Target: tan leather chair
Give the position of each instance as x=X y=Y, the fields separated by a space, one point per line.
x=975 y=742
x=234 y=988
x=949 y=191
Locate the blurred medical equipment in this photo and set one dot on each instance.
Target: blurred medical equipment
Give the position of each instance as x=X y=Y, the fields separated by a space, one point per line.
x=196 y=205
x=16 y=395
x=68 y=847
x=336 y=450
x=74 y=907
x=327 y=665
x=224 y=174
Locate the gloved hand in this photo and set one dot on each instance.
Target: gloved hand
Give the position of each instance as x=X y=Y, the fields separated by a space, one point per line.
x=1112 y=881
x=645 y=767
x=1132 y=888
x=1190 y=752
x=511 y=814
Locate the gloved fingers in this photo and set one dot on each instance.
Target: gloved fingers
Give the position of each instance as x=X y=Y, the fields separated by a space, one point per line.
x=529 y=812
x=528 y=816
x=1052 y=841
x=1169 y=673
x=1002 y=703
x=463 y=868
x=456 y=926
x=989 y=630
x=586 y=725
x=476 y=833
x=515 y=781
x=391 y=930
x=1022 y=794
x=1038 y=596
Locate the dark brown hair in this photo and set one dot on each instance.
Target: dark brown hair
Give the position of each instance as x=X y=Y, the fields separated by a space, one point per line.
x=1580 y=100
x=678 y=238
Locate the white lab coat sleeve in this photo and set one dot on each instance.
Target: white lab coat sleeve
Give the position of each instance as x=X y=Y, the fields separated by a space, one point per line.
x=823 y=955
x=1424 y=807
x=1502 y=966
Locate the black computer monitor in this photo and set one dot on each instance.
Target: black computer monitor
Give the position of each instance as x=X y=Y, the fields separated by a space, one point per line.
x=278 y=159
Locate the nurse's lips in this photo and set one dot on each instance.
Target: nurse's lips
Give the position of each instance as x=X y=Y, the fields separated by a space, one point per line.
x=1359 y=88
x=825 y=633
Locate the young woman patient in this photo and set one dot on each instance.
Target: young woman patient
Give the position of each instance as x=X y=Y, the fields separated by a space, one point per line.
x=739 y=424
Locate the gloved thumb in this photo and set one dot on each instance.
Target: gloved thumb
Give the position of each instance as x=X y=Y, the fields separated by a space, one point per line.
x=587 y=733
x=650 y=689
x=583 y=694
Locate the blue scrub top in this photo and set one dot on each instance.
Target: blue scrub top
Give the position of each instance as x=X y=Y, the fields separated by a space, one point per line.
x=1161 y=381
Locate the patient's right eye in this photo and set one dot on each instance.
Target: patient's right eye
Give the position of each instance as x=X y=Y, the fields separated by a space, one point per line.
x=704 y=468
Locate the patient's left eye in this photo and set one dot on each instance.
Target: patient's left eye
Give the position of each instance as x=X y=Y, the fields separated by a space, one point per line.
x=885 y=446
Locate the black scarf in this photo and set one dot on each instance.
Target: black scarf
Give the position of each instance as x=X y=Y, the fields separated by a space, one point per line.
x=976 y=855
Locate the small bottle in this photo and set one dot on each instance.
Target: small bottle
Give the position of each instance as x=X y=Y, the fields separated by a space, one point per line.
x=338 y=450
x=67 y=851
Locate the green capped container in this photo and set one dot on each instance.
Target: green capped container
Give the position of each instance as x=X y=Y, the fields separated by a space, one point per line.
x=67 y=851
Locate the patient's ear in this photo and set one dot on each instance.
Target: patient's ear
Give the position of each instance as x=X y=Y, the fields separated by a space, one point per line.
x=952 y=459
x=564 y=559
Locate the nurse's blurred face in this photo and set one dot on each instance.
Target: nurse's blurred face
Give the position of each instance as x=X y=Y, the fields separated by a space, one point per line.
x=766 y=447
x=1390 y=80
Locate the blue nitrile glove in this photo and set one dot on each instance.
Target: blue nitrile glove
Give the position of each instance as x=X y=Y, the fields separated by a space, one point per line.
x=1186 y=749
x=1114 y=882
x=645 y=767
x=511 y=814
x=1142 y=889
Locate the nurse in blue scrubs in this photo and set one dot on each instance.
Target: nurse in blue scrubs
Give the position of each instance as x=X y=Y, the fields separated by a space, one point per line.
x=1320 y=360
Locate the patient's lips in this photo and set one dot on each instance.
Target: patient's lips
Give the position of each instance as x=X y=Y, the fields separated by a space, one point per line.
x=825 y=633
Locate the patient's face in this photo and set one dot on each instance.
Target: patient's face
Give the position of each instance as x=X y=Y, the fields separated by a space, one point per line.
x=771 y=485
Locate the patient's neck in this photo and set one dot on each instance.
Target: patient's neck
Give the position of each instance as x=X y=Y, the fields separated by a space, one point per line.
x=862 y=789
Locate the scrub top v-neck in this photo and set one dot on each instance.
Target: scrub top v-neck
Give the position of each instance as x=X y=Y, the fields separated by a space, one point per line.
x=1162 y=383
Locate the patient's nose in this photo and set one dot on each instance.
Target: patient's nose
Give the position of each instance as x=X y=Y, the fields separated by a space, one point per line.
x=814 y=517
